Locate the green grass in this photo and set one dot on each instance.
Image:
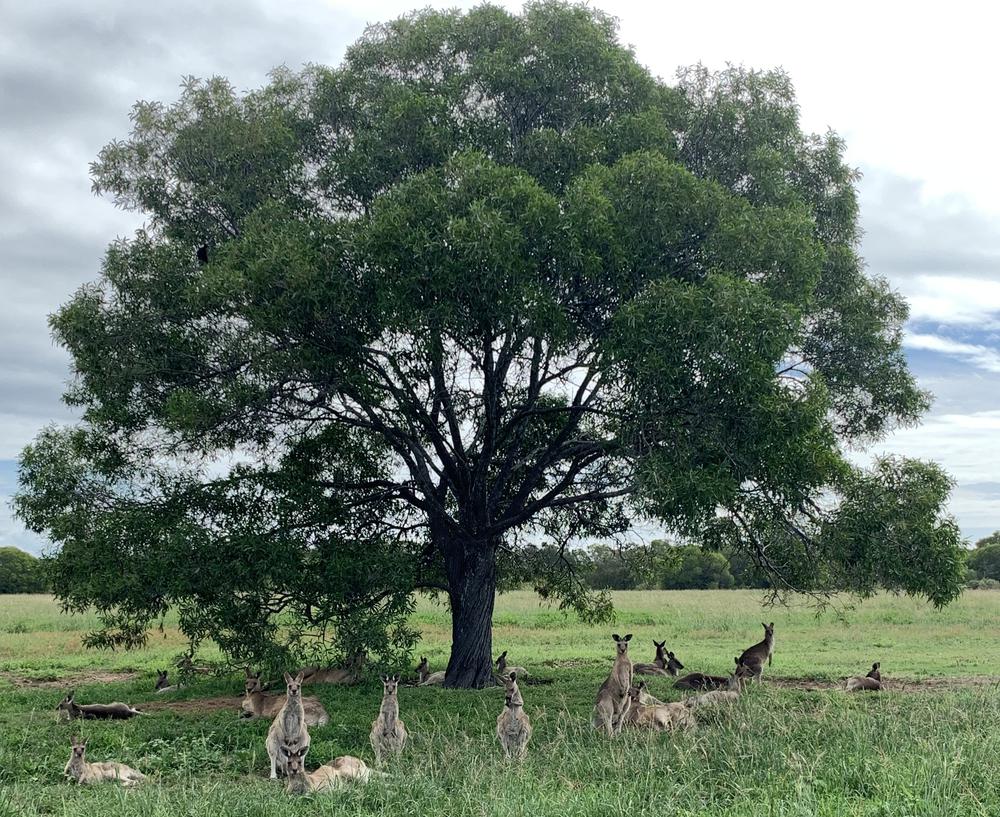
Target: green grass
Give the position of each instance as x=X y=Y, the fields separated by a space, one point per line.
x=931 y=749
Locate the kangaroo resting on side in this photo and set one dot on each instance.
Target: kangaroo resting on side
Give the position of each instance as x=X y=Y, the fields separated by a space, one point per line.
x=388 y=735
x=661 y=717
x=513 y=726
x=114 y=711
x=85 y=773
x=327 y=777
x=348 y=675
x=872 y=682
x=755 y=656
x=665 y=663
x=611 y=706
x=163 y=684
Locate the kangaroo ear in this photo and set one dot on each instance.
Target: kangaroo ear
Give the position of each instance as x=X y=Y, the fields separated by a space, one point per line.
x=737 y=660
x=628 y=637
x=616 y=637
x=299 y=677
x=513 y=676
x=288 y=678
x=670 y=654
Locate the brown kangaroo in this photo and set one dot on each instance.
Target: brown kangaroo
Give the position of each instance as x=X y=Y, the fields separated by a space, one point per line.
x=513 y=726
x=330 y=776
x=258 y=705
x=388 y=735
x=348 y=675
x=85 y=773
x=734 y=686
x=665 y=663
x=425 y=677
x=660 y=717
x=288 y=726
x=872 y=682
x=755 y=656
x=611 y=706
x=114 y=711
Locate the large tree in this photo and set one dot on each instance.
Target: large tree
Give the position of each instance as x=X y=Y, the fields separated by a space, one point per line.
x=486 y=284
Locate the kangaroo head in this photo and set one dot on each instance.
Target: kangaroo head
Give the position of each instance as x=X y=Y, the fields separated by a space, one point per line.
x=635 y=692
x=742 y=672
x=422 y=666
x=673 y=664
x=252 y=683
x=622 y=643
x=66 y=704
x=161 y=679
x=874 y=671
x=389 y=684
x=295 y=757
x=512 y=695
x=294 y=685
x=79 y=747
x=768 y=629
x=501 y=662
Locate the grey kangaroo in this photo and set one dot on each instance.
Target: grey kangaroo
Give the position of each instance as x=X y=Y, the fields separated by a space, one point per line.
x=755 y=656
x=114 y=711
x=665 y=663
x=388 y=735
x=612 y=702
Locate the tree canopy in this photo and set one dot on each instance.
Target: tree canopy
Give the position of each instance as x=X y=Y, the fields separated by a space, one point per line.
x=20 y=572
x=487 y=283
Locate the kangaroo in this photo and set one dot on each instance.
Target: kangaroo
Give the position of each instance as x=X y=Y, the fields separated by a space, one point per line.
x=504 y=669
x=388 y=735
x=162 y=684
x=872 y=682
x=665 y=663
x=660 y=717
x=612 y=698
x=85 y=773
x=326 y=778
x=513 y=726
x=425 y=677
x=734 y=686
x=258 y=705
x=288 y=726
x=348 y=675
x=113 y=711
x=754 y=657
x=187 y=666
x=698 y=680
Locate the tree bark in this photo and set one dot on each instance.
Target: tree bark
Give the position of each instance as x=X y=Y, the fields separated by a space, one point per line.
x=472 y=580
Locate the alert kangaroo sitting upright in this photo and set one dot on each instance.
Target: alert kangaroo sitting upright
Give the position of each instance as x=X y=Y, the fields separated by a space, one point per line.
x=513 y=726
x=85 y=773
x=661 y=717
x=388 y=735
x=872 y=682
x=665 y=663
x=289 y=725
x=612 y=698
x=755 y=656
x=327 y=777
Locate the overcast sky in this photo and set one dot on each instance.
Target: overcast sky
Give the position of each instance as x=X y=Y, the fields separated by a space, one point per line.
x=912 y=92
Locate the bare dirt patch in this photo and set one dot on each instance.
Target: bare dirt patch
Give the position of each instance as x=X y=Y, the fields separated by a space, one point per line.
x=78 y=679
x=890 y=684
x=195 y=705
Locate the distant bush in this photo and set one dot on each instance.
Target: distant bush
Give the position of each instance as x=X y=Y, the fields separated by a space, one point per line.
x=985 y=559
x=21 y=572
x=984 y=584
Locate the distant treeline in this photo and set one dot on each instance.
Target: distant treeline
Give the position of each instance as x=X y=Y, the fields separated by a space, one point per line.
x=984 y=563
x=21 y=572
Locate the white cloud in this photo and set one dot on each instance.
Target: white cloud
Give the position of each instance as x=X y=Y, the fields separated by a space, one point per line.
x=953 y=299
x=985 y=357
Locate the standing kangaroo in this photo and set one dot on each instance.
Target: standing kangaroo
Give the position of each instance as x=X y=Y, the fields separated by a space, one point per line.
x=755 y=656
x=388 y=735
x=513 y=726
x=326 y=778
x=425 y=677
x=114 y=711
x=612 y=698
x=872 y=682
x=661 y=717
x=85 y=773
x=288 y=727
x=665 y=663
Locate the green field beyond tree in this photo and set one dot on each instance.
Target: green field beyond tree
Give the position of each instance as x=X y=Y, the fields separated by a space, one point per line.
x=796 y=745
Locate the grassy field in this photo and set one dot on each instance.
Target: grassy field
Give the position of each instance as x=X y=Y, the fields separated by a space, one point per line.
x=795 y=745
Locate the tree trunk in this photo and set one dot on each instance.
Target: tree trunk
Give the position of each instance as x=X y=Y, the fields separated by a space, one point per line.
x=472 y=579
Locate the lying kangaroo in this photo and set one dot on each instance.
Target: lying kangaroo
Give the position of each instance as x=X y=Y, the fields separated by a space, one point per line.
x=258 y=705
x=85 y=773
x=734 y=686
x=162 y=684
x=872 y=682
x=698 y=680
x=504 y=669
x=187 y=666
x=388 y=735
x=348 y=675
x=755 y=656
x=288 y=726
x=513 y=726
x=665 y=663
x=112 y=711
x=661 y=717
x=425 y=677
x=612 y=698
x=327 y=777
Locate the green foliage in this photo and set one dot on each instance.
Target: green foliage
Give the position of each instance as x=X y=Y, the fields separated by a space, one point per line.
x=985 y=559
x=486 y=282
x=21 y=572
